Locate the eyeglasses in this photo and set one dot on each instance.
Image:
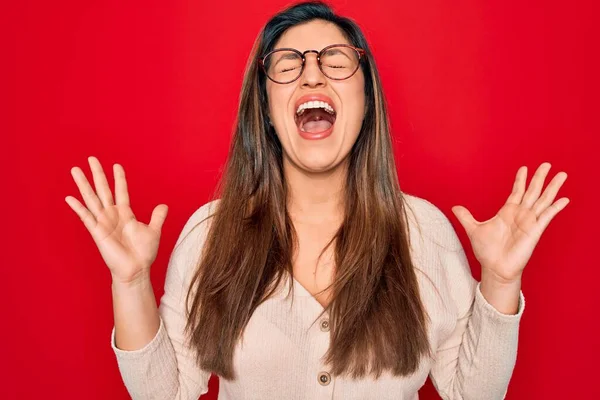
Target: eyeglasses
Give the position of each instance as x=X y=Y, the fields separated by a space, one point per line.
x=336 y=61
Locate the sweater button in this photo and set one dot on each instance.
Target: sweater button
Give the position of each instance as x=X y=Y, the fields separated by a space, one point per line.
x=324 y=325
x=324 y=378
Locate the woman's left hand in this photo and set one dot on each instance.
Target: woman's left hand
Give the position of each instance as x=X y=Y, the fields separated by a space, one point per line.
x=504 y=243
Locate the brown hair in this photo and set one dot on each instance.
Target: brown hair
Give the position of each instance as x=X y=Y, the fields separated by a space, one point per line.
x=377 y=319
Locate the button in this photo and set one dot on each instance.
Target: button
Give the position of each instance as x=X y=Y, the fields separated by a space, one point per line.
x=324 y=325
x=324 y=378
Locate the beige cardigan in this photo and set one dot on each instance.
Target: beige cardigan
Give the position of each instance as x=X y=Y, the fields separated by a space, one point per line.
x=475 y=346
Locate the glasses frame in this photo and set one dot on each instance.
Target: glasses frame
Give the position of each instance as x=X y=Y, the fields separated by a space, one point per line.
x=361 y=54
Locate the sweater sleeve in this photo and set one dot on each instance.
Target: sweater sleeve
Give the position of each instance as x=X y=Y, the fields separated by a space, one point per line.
x=165 y=368
x=476 y=361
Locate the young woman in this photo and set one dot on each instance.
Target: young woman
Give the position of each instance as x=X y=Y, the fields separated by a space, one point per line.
x=312 y=275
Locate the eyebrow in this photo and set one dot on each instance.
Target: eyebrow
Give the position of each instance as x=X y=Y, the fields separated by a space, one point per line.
x=281 y=58
x=338 y=52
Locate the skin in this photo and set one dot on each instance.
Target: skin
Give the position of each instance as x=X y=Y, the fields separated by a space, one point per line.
x=504 y=243
x=315 y=170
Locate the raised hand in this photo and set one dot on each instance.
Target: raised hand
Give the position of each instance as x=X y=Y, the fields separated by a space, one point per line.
x=504 y=243
x=128 y=247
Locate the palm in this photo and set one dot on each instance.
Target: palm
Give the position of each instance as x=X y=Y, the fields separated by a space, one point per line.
x=504 y=244
x=506 y=239
x=124 y=242
x=127 y=246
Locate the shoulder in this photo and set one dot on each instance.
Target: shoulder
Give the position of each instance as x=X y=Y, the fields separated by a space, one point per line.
x=203 y=212
x=194 y=232
x=423 y=210
x=198 y=222
x=429 y=224
x=191 y=240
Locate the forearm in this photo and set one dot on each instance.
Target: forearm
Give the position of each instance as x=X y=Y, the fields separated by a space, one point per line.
x=135 y=313
x=486 y=355
x=503 y=296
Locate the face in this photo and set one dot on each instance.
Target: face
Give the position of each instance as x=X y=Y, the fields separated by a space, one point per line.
x=304 y=151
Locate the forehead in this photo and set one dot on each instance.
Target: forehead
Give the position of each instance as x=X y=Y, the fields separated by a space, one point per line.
x=315 y=35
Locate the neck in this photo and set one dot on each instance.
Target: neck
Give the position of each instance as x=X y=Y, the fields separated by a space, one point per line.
x=315 y=197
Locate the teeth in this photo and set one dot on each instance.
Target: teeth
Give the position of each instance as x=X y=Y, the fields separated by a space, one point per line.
x=314 y=104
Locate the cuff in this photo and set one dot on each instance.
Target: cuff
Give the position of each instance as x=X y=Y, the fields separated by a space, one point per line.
x=156 y=342
x=487 y=310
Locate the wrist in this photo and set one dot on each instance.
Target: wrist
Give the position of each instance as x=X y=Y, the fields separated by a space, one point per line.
x=140 y=281
x=502 y=295
x=504 y=280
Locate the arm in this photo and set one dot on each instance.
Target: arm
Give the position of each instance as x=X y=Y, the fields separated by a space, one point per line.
x=476 y=361
x=162 y=367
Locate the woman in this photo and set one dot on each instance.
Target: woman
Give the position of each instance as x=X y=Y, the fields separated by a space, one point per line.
x=313 y=276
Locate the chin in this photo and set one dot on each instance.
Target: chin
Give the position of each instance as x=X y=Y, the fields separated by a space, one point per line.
x=317 y=158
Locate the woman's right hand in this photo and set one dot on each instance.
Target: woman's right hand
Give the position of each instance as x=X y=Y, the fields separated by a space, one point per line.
x=128 y=247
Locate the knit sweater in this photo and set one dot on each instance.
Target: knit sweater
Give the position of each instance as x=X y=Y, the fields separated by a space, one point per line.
x=280 y=354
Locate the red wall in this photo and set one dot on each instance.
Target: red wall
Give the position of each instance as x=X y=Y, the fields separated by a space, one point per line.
x=475 y=89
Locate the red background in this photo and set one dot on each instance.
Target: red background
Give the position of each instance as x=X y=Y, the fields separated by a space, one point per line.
x=475 y=89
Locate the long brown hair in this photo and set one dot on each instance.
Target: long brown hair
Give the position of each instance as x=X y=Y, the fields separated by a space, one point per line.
x=377 y=319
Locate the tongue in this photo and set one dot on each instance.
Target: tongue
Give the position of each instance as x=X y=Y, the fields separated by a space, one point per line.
x=316 y=126
x=315 y=120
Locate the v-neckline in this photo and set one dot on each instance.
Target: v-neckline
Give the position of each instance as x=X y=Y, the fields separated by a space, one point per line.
x=306 y=293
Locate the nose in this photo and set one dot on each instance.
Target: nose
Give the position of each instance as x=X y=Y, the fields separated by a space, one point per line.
x=312 y=75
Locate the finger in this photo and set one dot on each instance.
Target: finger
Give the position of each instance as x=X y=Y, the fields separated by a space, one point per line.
x=516 y=196
x=159 y=214
x=100 y=182
x=465 y=218
x=89 y=221
x=550 y=193
x=92 y=201
x=121 y=193
x=536 y=185
x=550 y=212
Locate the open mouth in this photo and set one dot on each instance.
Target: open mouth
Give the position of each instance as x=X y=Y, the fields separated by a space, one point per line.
x=315 y=117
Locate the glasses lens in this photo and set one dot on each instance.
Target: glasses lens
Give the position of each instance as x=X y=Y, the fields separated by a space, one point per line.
x=283 y=65
x=339 y=62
